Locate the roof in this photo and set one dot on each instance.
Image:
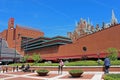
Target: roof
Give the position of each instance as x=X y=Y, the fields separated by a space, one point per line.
x=7 y=54
x=41 y=42
x=28 y=28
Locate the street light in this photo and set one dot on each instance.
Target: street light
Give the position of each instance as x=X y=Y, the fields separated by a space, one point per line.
x=15 y=47
x=15 y=52
x=26 y=45
x=98 y=54
x=0 y=48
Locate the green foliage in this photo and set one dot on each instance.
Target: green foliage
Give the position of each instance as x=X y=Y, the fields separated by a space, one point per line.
x=84 y=63
x=42 y=71
x=75 y=71
x=76 y=63
x=112 y=77
x=113 y=53
x=108 y=78
x=36 y=58
x=46 y=64
x=25 y=58
x=117 y=62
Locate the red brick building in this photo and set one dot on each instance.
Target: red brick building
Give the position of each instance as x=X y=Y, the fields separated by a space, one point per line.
x=96 y=45
x=15 y=35
x=91 y=43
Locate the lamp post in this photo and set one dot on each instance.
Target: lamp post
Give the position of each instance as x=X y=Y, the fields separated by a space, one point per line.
x=0 y=48
x=98 y=54
x=15 y=52
x=15 y=47
x=26 y=45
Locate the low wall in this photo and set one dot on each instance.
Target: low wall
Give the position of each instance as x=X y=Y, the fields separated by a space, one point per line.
x=84 y=68
x=67 y=68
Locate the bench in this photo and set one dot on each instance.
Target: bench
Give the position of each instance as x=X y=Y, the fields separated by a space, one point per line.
x=29 y=70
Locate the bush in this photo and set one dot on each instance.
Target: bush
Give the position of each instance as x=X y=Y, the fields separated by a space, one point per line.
x=42 y=72
x=36 y=58
x=108 y=78
x=75 y=73
x=113 y=53
x=112 y=77
x=117 y=62
x=76 y=63
x=25 y=58
x=84 y=63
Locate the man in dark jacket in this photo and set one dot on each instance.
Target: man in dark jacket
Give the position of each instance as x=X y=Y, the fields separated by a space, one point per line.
x=107 y=64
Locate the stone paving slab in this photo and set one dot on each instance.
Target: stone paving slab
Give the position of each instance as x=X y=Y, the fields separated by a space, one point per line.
x=23 y=78
x=3 y=76
x=83 y=76
x=52 y=75
x=19 y=73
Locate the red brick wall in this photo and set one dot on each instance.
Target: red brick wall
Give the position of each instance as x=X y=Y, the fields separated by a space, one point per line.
x=28 y=32
x=51 y=51
x=4 y=34
x=96 y=43
x=21 y=31
x=25 y=32
x=13 y=35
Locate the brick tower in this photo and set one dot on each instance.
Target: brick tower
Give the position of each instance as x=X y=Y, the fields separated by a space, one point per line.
x=10 y=33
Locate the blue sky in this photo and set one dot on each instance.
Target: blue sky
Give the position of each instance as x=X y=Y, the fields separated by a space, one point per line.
x=56 y=17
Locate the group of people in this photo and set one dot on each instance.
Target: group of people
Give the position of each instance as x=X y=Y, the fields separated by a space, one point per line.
x=61 y=64
x=4 y=68
x=25 y=68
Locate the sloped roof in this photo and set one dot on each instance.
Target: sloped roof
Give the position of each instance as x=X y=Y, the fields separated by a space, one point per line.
x=8 y=53
x=29 y=28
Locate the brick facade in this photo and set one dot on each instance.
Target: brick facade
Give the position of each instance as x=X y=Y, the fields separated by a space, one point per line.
x=96 y=43
x=13 y=35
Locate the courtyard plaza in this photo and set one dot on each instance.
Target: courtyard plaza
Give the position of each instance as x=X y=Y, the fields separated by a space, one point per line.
x=52 y=75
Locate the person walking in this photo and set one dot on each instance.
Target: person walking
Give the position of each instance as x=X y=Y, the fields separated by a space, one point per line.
x=107 y=65
x=17 y=68
x=60 y=67
x=0 y=67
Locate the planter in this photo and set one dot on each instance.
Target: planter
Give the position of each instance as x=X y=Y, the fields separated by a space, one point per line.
x=75 y=73
x=42 y=72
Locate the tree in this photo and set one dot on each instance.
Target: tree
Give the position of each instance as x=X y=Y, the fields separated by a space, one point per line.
x=25 y=58
x=36 y=58
x=113 y=53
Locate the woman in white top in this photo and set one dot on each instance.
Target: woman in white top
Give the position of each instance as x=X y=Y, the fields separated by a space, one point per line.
x=60 y=67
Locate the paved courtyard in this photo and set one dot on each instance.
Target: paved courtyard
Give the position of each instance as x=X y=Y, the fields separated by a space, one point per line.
x=52 y=75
